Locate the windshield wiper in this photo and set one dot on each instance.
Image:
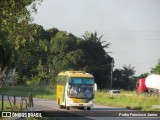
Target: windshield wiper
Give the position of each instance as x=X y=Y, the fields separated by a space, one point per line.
x=82 y=93
x=85 y=95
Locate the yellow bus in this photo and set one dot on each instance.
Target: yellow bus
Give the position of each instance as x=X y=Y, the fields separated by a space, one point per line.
x=75 y=89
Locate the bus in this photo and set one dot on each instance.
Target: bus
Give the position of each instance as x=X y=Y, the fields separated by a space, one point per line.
x=75 y=89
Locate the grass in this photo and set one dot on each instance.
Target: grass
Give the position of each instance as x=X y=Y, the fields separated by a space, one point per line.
x=46 y=92
x=7 y=106
x=127 y=99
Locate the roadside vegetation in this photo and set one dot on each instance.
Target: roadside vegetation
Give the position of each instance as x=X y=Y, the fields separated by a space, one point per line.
x=46 y=92
x=128 y=99
x=7 y=106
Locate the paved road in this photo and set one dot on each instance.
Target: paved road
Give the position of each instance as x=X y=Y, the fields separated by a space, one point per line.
x=98 y=112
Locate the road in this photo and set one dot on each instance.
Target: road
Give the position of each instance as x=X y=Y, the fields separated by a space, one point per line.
x=98 y=112
x=49 y=108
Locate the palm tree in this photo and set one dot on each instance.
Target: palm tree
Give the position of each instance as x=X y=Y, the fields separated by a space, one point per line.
x=92 y=37
x=128 y=71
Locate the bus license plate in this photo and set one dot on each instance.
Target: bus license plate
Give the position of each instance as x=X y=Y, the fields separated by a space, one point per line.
x=80 y=104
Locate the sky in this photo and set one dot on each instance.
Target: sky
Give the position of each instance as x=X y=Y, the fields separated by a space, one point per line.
x=131 y=26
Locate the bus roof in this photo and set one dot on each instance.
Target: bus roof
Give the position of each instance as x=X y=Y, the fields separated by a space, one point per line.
x=76 y=74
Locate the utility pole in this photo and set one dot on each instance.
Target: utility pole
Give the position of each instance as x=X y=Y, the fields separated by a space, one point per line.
x=111 y=74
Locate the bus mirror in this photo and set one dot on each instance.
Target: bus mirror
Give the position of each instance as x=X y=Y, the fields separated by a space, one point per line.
x=95 y=86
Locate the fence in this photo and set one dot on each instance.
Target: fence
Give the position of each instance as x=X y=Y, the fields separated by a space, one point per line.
x=22 y=102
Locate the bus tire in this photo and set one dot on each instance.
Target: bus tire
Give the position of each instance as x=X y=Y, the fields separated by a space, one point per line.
x=88 y=108
x=60 y=106
x=67 y=107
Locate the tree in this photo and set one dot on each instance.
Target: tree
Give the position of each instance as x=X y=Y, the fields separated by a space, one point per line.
x=69 y=52
x=118 y=79
x=94 y=38
x=15 y=27
x=156 y=69
x=97 y=60
x=94 y=50
x=123 y=78
x=128 y=71
x=35 y=54
x=74 y=59
x=63 y=52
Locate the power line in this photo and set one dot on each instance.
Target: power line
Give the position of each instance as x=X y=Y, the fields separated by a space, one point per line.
x=134 y=38
x=117 y=37
x=154 y=61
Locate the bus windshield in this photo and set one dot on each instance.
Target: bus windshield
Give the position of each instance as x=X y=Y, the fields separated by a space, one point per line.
x=81 y=90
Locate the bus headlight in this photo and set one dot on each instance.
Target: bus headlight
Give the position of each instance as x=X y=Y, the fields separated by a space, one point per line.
x=92 y=101
x=70 y=101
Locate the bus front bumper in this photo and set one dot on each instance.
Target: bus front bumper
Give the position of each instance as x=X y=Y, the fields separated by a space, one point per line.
x=80 y=104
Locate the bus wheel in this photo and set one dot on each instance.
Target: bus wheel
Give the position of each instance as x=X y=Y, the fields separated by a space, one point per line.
x=60 y=106
x=88 y=108
x=67 y=107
